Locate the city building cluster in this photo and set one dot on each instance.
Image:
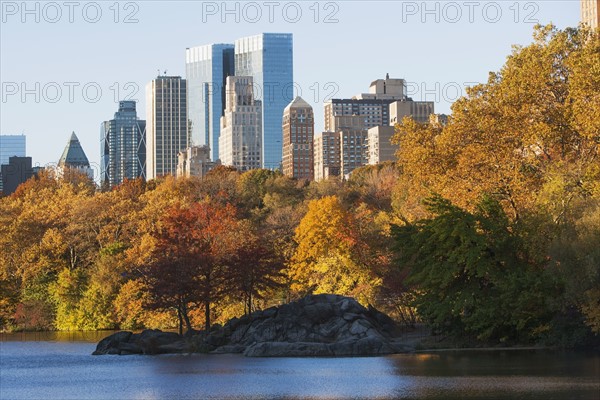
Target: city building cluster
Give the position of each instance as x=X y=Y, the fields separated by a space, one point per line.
x=236 y=107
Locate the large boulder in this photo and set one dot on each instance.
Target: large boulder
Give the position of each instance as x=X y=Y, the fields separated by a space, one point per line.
x=317 y=325
x=150 y=341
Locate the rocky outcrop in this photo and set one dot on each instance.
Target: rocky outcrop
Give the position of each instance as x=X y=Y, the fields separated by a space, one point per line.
x=150 y=341
x=318 y=325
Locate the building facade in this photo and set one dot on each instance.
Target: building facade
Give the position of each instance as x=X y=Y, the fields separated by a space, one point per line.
x=123 y=146
x=373 y=106
x=326 y=155
x=420 y=111
x=207 y=68
x=380 y=147
x=298 y=135
x=16 y=171
x=590 y=13
x=240 y=142
x=194 y=161
x=268 y=59
x=352 y=134
x=11 y=146
x=372 y=111
x=73 y=159
x=166 y=124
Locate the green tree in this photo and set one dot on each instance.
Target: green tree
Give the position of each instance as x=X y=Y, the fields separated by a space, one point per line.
x=471 y=274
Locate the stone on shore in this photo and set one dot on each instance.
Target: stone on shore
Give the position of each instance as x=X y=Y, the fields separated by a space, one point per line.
x=317 y=325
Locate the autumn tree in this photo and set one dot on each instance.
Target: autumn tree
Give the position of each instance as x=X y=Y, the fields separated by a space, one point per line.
x=188 y=267
x=254 y=267
x=327 y=258
x=533 y=122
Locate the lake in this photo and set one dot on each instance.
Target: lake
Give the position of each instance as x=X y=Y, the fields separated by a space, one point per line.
x=60 y=366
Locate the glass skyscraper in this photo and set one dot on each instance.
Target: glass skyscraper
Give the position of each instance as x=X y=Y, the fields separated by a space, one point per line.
x=268 y=59
x=10 y=146
x=207 y=68
x=123 y=146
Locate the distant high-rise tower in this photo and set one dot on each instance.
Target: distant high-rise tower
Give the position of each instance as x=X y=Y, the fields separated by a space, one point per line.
x=298 y=135
x=241 y=126
x=166 y=125
x=123 y=146
x=11 y=146
x=590 y=13
x=268 y=59
x=207 y=68
x=73 y=158
x=16 y=171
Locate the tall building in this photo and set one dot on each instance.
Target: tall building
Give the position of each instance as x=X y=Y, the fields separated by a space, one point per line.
x=123 y=146
x=207 y=68
x=73 y=158
x=352 y=136
x=590 y=13
x=326 y=155
x=10 y=146
x=268 y=59
x=339 y=152
x=241 y=126
x=298 y=135
x=166 y=125
x=372 y=106
x=380 y=147
x=364 y=120
x=16 y=171
x=194 y=161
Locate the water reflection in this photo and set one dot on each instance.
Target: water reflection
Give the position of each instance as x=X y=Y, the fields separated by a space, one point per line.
x=66 y=370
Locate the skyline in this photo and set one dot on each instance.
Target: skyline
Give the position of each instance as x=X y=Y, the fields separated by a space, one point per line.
x=392 y=38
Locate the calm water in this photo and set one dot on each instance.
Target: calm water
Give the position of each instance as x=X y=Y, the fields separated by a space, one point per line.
x=61 y=367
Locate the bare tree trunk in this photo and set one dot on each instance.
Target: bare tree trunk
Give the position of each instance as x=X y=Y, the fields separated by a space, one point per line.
x=180 y=320
x=186 y=318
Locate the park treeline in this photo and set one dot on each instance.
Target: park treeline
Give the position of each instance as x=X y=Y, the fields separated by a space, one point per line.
x=487 y=227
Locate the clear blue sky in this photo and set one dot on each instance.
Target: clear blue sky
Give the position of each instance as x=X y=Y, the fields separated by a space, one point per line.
x=438 y=47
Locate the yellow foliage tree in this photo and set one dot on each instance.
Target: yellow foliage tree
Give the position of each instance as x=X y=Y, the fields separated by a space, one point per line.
x=326 y=259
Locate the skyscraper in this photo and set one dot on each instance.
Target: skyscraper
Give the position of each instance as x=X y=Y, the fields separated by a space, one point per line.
x=298 y=135
x=241 y=126
x=207 y=68
x=11 y=146
x=73 y=158
x=123 y=146
x=590 y=13
x=326 y=155
x=268 y=59
x=166 y=124
x=16 y=171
